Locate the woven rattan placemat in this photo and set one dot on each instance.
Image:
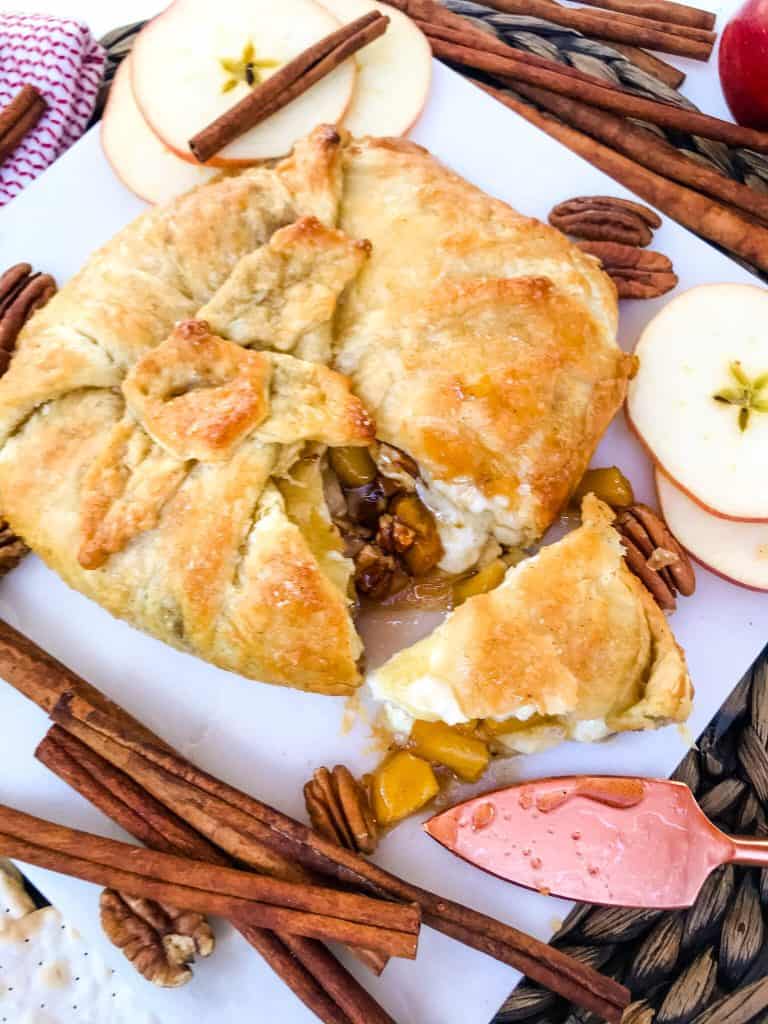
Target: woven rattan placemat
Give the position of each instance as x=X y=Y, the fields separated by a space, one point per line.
x=709 y=964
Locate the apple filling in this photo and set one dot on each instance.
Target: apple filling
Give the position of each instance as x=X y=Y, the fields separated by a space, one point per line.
x=394 y=538
x=388 y=532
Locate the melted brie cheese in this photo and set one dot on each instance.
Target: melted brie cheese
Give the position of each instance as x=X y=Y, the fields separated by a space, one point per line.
x=466 y=520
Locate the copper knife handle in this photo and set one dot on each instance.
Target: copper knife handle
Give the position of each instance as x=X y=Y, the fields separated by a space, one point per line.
x=749 y=852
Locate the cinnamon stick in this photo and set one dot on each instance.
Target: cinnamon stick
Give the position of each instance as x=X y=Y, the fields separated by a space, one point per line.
x=325 y=914
x=659 y=10
x=305 y=965
x=652 y=35
x=605 y=96
x=648 y=149
x=702 y=215
x=684 y=31
x=18 y=117
x=162 y=772
x=293 y=79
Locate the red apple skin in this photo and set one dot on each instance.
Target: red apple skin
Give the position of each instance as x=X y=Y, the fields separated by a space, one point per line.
x=663 y=469
x=700 y=561
x=743 y=64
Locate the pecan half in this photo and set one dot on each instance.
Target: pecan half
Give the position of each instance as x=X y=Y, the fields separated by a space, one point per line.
x=339 y=809
x=654 y=555
x=637 y=273
x=21 y=293
x=18 y=307
x=158 y=940
x=604 y=226
x=610 y=203
x=633 y=285
x=12 y=548
x=614 y=255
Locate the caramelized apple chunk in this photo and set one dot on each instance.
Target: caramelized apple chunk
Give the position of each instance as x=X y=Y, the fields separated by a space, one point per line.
x=465 y=755
x=426 y=551
x=401 y=785
x=353 y=466
x=608 y=483
x=480 y=582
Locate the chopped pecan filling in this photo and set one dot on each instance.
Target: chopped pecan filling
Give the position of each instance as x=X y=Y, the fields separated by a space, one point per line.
x=387 y=530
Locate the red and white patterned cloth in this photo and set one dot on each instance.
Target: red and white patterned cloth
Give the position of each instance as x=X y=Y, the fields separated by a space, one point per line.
x=61 y=58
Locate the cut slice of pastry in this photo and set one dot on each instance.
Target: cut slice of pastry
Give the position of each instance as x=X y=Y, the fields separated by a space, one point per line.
x=570 y=645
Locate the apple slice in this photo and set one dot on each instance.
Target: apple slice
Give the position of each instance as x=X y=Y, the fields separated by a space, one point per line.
x=189 y=66
x=394 y=72
x=137 y=156
x=699 y=401
x=736 y=551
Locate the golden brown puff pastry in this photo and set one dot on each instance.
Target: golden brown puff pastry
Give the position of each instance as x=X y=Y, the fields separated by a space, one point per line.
x=163 y=421
x=570 y=645
x=160 y=465
x=482 y=341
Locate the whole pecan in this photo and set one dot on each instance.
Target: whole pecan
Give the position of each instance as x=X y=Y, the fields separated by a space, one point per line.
x=158 y=940
x=605 y=219
x=339 y=809
x=654 y=555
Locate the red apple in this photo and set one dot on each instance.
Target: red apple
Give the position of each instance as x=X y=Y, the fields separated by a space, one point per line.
x=744 y=64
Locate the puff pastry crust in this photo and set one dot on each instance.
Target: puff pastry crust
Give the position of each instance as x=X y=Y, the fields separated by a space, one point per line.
x=164 y=418
x=570 y=645
x=482 y=341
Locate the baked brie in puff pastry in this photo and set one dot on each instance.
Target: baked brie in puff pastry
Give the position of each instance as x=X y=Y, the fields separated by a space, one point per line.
x=169 y=419
x=570 y=645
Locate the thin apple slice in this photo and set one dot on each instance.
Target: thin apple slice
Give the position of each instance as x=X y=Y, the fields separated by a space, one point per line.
x=736 y=551
x=394 y=72
x=699 y=401
x=138 y=158
x=189 y=66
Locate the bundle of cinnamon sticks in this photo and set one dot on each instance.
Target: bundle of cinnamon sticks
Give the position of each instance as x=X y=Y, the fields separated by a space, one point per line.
x=599 y=121
x=104 y=747
x=668 y=28
x=241 y=896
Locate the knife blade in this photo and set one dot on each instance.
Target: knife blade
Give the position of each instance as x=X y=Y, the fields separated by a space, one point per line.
x=611 y=840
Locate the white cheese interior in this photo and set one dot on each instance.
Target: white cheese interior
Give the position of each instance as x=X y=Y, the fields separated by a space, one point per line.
x=466 y=520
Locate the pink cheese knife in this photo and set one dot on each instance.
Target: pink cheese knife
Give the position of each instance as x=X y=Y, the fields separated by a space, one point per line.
x=599 y=839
